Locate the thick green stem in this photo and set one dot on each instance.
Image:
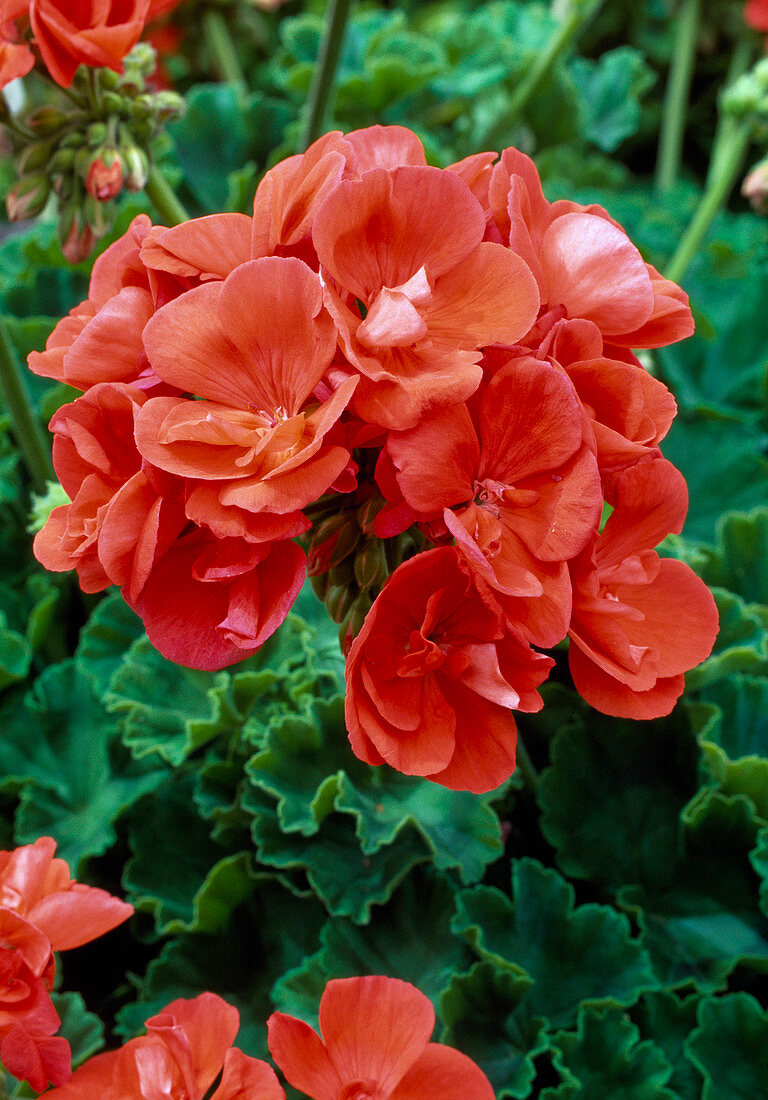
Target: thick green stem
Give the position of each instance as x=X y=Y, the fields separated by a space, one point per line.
x=715 y=195
x=325 y=71
x=163 y=198
x=575 y=19
x=676 y=98
x=219 y=42
x=527 y=771
x=741 y=61
x=27 y=429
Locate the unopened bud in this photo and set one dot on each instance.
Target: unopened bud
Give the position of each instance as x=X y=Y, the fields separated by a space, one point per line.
x=143 y=58
x=104 y=178
x=47 y=120
x=141 y=107
x=339 y=600
x=34 y=157
x=79 y=242
x=28 y=197
x=371 y=565
x=168 y=105
x=755 y=187
x=113 y=103
x=96 y=134
x=61 y=161
x=135 y=167
x=353 y=623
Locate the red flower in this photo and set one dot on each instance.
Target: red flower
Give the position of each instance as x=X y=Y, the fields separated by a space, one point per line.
x=520 y=491
x=415 y=291
x=639 y=621
x=433 y=676
x=186 y=1047
x=29 y=1048
x=374 y=1046
x=72 y=34
x=756 y=14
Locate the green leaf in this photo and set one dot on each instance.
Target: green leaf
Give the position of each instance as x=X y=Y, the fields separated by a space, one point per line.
x=268 y=934
x=707 y=920
x=15 y=654
x=604 y=1058
x=410 y=938
x=83 y=1030
x=110 y=631
x=739 y=560
x=483 y=1018
x=741 y=644
x=758 y=857
x=612 y=797
x=729 y=1047
x=609 y=91
x=63 y=751
x=177 y=873
x=668 y=1020
x=575 y=955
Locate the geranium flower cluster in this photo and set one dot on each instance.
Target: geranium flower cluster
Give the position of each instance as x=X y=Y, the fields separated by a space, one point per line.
x=375 y=1043
x=418 y=372
x=42 y=910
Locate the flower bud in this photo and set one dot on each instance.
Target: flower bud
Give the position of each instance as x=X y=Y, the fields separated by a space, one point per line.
x=104 y=177
x=371 y=565
x=96 y=134
x=28 y=197
x=339 y=600
x=755 y=187
x=135 y=167
x=168 y=105
x=113 y=102
x=143 y=58
x=47 y=120
x=79 y=241
x=34 y=157
x=61 y=161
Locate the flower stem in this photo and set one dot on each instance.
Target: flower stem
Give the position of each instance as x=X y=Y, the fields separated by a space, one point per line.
x=741 y=60
x=527 y=771
x=325 y=71
x=577 y=16
x=163 y=198
x=730 y=162
x=676 y=98
x=27 y=429
x=219 y=42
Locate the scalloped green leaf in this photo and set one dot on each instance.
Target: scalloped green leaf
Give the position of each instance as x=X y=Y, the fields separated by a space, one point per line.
x=739 y=559
x=15 y=654
x=758 y=857
x=63 y=751
x=83 y=1030
x=707 y=920
x=484 y=1017
x=109 y=633
x=741 y=645
x=270 y=933
x=410 y=938
x=730 y=1047
x=612 y=797
x=177 y=873
x=610 y=90
x=668 y=1020
x=605 y=1058
x=575 y=954
x=347 y=881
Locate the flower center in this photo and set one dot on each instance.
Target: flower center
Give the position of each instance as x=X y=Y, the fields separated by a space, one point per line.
x=393 y=319
x=361 y=1090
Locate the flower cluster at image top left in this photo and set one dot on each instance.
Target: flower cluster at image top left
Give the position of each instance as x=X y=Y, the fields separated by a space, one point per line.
x=418 y=385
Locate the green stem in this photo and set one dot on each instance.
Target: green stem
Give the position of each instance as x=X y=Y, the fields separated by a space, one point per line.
x=325 y=70
x=219 y=42
x=676 y=99
x=163 y=198
x=741 y=61
x=529 y=774
x=715 y=195
x=577 y=17
x=27 y=429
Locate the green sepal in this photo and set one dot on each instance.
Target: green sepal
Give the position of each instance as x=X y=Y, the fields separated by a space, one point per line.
x=729 y=1047
x=575 y=955
x=605 y=1058
x=485 y=1019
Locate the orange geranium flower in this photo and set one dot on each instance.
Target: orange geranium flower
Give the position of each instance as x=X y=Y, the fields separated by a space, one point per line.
x=433 y=677
x=639 y=621
x=756 y=14
x=255 y=348
x=584 y=263
x=374 y=1046
x=414 y=290
x=186 y=1047
x=517 y=488
x=70 y=33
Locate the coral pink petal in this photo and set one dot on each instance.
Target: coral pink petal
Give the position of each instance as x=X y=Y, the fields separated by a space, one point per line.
x=208 y=1025
x=610 y=696
x=301 y=1055
x=212 y=245
x=491 y=297
x=442 y=1073
x=247 y=1078
x=651 y=500
x=374 y=1028
x=78 y=915
x=591 y=267
x=385 y=147
x=436 y=462
x=109 y=347
x=486 y=740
